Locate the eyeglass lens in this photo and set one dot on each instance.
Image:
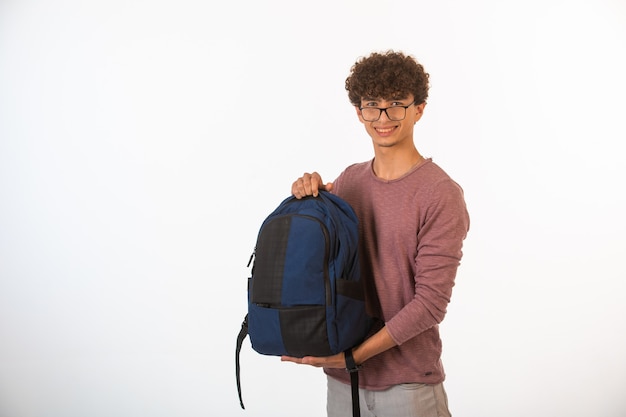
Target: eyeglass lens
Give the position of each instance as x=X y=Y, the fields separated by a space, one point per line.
x=393 y=113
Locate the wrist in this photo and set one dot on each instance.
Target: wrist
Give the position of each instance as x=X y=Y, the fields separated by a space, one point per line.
x=351 y=364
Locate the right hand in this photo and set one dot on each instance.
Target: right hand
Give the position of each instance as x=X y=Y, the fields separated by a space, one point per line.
x=309 y=184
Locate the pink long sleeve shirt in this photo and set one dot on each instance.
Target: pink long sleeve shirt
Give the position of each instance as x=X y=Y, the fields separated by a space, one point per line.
x=411 y=237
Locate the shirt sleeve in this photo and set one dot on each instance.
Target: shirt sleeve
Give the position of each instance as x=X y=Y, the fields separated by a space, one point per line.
x=440 y=239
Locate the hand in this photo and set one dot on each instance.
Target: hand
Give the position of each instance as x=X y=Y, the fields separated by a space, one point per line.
x=379 y=342
x=309 y=184
x=335 y=361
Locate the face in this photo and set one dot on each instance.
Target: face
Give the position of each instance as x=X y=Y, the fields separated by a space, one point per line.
x=387 y=131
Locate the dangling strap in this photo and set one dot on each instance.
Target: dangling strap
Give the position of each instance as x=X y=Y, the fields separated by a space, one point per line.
x=352 y=367
x=242 y=335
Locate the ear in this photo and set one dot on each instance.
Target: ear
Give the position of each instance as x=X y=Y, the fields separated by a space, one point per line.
x=419 y=111
x=358 y=113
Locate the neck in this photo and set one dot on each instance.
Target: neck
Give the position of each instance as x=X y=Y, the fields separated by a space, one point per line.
x=392 y=165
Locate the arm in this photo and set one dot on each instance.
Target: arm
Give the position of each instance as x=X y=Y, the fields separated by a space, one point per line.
x=439 y=254
x=439 y=251
x=379 y=342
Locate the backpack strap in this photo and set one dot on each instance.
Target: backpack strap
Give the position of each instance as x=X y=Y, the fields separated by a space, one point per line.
x=353 y=368
x=240 y=338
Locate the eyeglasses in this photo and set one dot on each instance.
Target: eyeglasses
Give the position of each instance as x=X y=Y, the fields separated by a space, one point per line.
x=394 y=113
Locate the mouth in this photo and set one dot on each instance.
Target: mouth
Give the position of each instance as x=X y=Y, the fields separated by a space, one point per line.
x=385 y=131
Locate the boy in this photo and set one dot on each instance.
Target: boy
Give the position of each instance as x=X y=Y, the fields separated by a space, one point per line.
x=413 y=221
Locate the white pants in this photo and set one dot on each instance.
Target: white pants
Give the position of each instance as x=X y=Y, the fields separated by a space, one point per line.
x=404 y=400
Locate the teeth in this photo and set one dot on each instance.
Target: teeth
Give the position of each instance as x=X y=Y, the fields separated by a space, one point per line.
x=384 y=130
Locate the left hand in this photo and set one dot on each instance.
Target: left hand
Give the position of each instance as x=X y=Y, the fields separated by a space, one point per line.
x=335 y=361
x=380 y=342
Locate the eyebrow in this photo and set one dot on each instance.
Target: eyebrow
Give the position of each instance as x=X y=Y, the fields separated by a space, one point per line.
x=376 y=101
x=392 y=98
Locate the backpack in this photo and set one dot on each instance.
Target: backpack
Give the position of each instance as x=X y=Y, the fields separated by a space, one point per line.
x=305 y=295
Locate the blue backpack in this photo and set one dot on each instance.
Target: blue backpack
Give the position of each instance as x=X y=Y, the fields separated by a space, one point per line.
x=305 y=295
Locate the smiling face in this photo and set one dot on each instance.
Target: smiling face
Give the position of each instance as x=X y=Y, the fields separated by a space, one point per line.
x=390 y=128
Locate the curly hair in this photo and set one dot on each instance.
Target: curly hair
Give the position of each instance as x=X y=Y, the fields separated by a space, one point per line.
x=385 y=76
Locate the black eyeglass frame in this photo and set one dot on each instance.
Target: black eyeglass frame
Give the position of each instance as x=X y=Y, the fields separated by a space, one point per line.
x=384 y=109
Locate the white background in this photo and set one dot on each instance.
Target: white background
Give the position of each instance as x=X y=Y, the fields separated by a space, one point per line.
x=143 y=142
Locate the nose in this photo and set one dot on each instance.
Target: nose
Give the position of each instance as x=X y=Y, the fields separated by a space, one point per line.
x=384 y=112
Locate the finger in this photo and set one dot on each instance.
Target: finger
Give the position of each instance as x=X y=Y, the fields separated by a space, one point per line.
x=290 y=359
x=306 y=360
x=310 y=186
x=316 y=184
x=303 y=186
x=298 y=188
